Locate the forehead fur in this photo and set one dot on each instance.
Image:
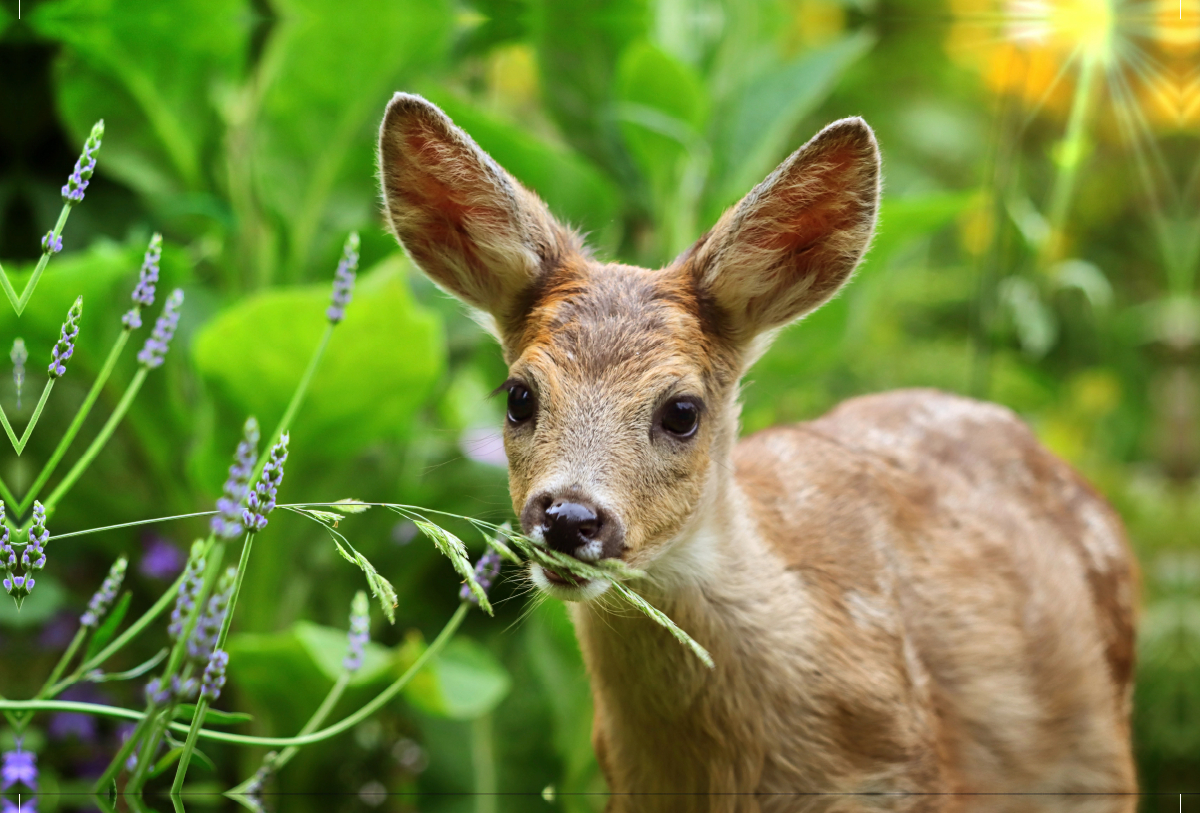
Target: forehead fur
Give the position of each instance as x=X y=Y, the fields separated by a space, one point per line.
x=600 y=318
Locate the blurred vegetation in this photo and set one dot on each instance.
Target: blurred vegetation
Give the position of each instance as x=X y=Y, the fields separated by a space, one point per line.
x=1038 y=246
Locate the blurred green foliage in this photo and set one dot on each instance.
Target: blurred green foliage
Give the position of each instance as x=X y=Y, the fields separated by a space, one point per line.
x=244 y=131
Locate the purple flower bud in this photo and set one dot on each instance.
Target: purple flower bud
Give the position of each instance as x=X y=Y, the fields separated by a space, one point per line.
x=104 y=597
x=18 y=586
x=189 y=589
x=214 y=675
x=157 y=692
x=486 y=570
x=261 y=502
x=51 y=244
x=19 y=766
x=183 y=689
x=360 y=632
x=8 y=555
x=155 y=348
x=143 y=293
x=228 y=521
x=34 y=556
x=343 y=280
x=66 y=340
x=208 y=625
x=76 y=184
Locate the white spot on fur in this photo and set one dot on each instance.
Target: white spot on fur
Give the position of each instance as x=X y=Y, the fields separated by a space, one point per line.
x=591 y=551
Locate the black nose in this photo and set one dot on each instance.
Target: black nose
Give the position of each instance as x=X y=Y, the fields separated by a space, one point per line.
x=567 y=525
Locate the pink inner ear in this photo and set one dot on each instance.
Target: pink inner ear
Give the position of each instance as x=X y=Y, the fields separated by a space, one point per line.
x=434 y=180
x=812 y=207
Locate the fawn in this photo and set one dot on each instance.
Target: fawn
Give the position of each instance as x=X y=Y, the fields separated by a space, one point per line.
x=908 y=600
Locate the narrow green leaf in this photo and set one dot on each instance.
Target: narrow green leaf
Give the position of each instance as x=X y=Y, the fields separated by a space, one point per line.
x=454 y=550
x=662 y=620
x=97 y=676
x=350 y=506
x=496 y=542
x=108 y=627
x=185 y=711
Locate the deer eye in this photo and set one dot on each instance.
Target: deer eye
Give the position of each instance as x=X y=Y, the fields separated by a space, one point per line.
x=521 y=403
x=680 y=418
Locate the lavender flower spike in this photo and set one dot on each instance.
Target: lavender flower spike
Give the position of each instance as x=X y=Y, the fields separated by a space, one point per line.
x=103 y=598
x=262 y=501
x=189 y=589
x=214 y=675
x=143 y=293
x=343 y=280
x=208 y=626
x=486 y=571
x=72 y=193
x=228 y=521
x=360 y=632
x=34 y=557
x=19 y=766
x=8 y=556
x=66 y=340
x=51 y=244
x=155 y=348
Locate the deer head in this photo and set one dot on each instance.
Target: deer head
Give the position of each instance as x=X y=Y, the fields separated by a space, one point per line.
x=622 y=388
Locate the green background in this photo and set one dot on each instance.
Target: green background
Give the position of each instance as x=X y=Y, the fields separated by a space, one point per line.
x=1037 y=247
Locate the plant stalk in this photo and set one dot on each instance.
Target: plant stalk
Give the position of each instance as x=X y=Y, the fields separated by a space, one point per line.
x=80 y=416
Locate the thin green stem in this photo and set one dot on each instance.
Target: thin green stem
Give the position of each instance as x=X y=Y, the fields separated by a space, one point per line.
x=214 y=553
x=80 y=416
x=19 y=445
x=124 y=638
x=106 y=431
x=285 y=756
x=202 y=705
x=7 y=495
x=61 y=666
x=152 y=521
x=122 y=756
x=366 y=711
x=297 y=398
x=20 y=303
x=1071 y=156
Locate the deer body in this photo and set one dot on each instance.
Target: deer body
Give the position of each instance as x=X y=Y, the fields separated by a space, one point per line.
x=908 y=597
x=940 y=606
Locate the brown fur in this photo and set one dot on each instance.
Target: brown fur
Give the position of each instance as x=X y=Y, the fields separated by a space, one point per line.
x=908 y=600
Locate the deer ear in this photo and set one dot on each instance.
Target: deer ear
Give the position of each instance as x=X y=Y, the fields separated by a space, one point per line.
x=788 y=246
x=465 y=221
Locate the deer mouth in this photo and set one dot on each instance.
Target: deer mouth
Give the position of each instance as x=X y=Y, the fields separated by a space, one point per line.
x=568 y=579
x=566 y=586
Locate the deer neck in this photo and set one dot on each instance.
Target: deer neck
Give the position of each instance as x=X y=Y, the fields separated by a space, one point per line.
x=655 y=700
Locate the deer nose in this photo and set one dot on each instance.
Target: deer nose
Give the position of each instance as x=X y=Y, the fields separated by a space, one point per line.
x=569 y=525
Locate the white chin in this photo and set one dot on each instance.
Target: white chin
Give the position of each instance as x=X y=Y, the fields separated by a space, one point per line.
x=584 y=591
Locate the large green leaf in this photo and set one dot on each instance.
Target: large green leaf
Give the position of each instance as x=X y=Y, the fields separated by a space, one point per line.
x=662 y=105
x=574 y=189
x=378 y=369
x=149 y=69
x=326 y=647
x=465 y=681
x=755 y=129
x=578 y=46
x=328 y=70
